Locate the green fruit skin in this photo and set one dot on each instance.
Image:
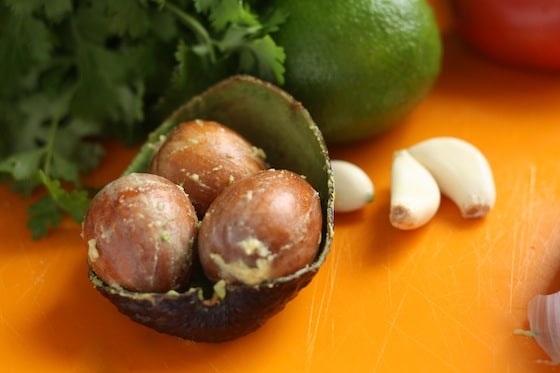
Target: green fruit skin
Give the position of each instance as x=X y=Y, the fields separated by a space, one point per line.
x=359 y=66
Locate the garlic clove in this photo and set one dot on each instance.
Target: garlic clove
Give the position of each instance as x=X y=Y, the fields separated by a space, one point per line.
x=415 y=196
x=544 y=321
x=461 y=171
x=353 y=187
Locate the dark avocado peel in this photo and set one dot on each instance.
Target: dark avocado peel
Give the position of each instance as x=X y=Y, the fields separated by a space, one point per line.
x=273 y=121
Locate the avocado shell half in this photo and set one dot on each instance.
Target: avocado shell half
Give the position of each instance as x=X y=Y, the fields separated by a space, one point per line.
x=273 y=121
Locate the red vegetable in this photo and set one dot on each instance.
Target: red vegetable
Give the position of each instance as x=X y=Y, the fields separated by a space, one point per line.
x=523 y=33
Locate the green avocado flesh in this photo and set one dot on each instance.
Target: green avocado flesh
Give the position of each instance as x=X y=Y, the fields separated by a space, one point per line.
x=273 y=121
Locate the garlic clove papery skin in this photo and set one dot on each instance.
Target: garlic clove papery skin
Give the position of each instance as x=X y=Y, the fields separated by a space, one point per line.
x=462 y=172
x=352 y=186
x=415 y=196
x=544 y=321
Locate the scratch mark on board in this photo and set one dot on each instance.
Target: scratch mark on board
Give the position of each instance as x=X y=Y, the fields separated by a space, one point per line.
x=392 y=326
x=425 y=347
x=318 y=307
x=520 y=241
x=10 y=328
x=456 y=321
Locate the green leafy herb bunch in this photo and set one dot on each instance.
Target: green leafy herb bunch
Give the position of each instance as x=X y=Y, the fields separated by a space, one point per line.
x=75 y=72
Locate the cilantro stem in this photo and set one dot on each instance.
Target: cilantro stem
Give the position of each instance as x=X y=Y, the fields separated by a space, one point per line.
x=49 y=146
x=55 y=123
x=196 y=27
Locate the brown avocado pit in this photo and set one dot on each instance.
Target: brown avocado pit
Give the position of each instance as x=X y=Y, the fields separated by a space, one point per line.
x=272 y=120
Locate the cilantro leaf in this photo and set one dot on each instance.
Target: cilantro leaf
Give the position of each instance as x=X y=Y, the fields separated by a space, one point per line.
x=265 y=56
x=75 y=202
x=43 y=215
x=183 y=57
x=23 y=7
x=63 y=168
x=37 y=109
x=24 y=42
x=96 y=92
x=24 y=165
x=47 y=212
x=74 y=140
x=128 y=17
x=226 y=12
x=55 y=10
x=203 y=6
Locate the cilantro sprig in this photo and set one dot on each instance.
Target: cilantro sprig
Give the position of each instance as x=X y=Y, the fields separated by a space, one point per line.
x=75 y=72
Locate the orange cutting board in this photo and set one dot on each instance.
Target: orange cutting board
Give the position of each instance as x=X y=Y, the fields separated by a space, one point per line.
x=443 y=298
